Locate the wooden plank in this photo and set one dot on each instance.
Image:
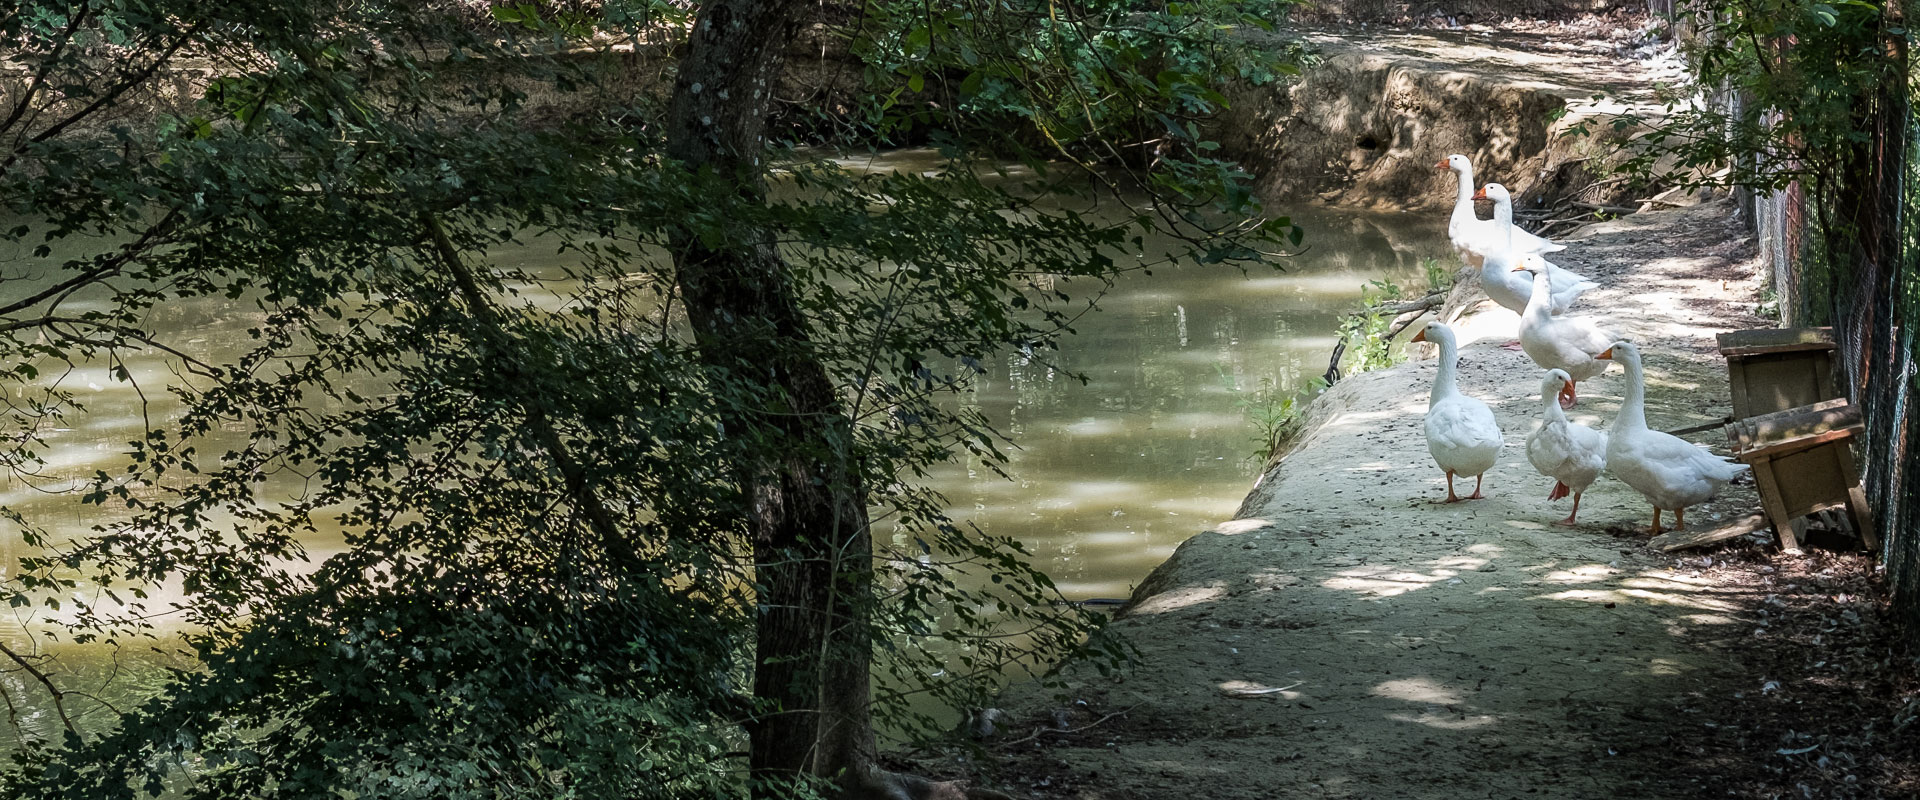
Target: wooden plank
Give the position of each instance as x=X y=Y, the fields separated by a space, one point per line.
x=1704 y=426
x=1761 y=341
x=1767 y=350
x=1775 y=506
x=1681 y=540
x=1737 y=380
x=1788 y=447
x=1857 y=505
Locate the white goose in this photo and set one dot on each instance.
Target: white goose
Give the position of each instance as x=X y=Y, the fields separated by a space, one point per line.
x=1570 y=453
x=1496 y=269
x=1473 y=238
x=1666 y=469
x=1564 y=343
x=1462 y=434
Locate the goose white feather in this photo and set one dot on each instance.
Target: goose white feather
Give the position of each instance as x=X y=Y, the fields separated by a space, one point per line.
x=1670 y=472
x=1513 y=292
x=1564 y=343
x=1473 y=238
x=1570 y=453
x=1496 y=268
x=1462 y=434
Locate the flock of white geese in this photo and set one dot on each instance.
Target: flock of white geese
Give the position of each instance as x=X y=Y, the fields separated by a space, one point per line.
x=1463 y=435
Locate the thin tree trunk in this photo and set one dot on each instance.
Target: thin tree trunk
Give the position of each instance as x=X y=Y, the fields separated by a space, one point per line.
x=812 y=546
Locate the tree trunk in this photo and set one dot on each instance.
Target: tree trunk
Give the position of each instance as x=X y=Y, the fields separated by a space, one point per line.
x=812 y=546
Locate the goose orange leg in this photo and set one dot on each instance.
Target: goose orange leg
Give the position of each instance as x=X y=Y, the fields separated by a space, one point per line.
x=1476 y=486
x=1575 y=512
x=1656 y=520
x=1679 y=519
x=1451 y=497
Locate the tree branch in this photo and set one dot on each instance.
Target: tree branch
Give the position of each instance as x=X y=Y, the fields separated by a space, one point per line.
x=135 y=334
x=99 y=271
x=46 y=68
x=598 y=517
x=59 y=696
x=111 y=95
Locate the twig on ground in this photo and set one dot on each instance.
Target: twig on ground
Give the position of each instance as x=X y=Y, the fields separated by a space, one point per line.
x=1262 y=692
x=1089 y=726
x=1604 y=208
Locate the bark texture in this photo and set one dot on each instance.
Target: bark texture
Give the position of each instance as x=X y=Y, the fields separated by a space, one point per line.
x=812 y=546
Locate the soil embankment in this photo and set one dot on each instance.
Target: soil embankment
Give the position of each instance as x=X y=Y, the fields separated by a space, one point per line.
x=1366 y=122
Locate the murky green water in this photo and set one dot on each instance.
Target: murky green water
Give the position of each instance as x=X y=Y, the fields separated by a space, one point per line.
x=1108 y=477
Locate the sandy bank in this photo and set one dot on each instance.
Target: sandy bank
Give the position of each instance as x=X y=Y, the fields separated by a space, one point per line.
x=1442 y=650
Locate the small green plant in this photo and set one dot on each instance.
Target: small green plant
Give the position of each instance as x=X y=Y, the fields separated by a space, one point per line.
x=1366 y=343
x=1364 y=332
x=1274 y=407
x=1367 y=334
x=1440 y=276
x=1769 y=305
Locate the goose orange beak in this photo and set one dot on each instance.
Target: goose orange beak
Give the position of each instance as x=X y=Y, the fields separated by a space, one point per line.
x=1442 y=164
x=1419 y=337
x=1480 y=194
x=1519 y=268
x=1608 y=354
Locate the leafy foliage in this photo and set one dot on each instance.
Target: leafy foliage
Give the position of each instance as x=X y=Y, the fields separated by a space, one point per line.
x=1803 y=73
x=544 y=581
x=1367 y=334
x=1275 y=409
x=1104 y=82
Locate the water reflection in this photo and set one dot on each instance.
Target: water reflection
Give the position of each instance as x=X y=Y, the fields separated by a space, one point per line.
x=1106 y=477
x=1109 y=477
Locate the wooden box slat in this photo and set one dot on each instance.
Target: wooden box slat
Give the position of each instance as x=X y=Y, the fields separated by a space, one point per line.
x=1773 y=369
x=1774 y=340
x=1793 y=429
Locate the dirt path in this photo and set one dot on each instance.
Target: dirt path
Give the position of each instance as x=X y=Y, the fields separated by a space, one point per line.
x=1426 y=650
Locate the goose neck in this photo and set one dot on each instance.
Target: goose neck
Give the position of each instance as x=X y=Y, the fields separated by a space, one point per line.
x=1539 y=297
x=1633 y=412
x=1553 y=414
x=1503 y=219
x=1445 y=381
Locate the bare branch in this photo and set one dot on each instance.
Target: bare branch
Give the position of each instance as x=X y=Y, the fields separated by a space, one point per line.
x=59 y=695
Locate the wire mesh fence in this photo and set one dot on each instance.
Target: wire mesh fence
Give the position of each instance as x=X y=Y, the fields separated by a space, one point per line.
x=1893 y=374
x=1861 y=274
x=1843 y=249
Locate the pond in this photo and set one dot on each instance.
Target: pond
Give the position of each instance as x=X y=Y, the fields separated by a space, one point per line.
x=1107 y=477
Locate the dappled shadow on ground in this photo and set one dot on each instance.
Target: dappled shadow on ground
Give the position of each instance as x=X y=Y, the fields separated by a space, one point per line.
x=1486 y=664
x=1351 y=638
x=1509 y=55
x=1806 y=698
x=1833 y=714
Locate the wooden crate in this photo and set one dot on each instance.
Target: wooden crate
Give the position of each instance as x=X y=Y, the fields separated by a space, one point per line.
x=1775 y=369
x=1802 y=462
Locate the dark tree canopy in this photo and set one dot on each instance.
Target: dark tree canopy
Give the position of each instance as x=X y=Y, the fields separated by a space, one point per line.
x=607 y=528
